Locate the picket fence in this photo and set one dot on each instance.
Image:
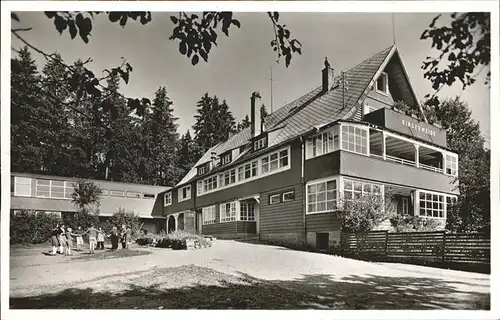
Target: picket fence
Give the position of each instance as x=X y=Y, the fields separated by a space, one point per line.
x=435 y=246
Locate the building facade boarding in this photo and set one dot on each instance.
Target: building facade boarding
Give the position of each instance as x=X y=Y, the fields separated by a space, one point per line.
x=284 y=177
x=52 y=194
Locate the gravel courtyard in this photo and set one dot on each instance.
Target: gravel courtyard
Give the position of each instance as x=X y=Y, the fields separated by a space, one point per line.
x=235 y=275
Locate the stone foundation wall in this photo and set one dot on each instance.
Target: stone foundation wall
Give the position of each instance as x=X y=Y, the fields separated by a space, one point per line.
x=333 y=239
x=292 y=239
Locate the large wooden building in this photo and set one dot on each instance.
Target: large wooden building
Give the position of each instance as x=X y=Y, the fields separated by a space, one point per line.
x=283 y=177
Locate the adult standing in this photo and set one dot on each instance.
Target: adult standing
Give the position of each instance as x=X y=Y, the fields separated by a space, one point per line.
x=79 y=238
x=114 y=238
x=100 y=239
x=92 y=232
x=62 y=239
x=55 y=239
x=125 y=237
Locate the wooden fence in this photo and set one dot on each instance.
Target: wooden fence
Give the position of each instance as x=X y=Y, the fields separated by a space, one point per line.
x=435 y=246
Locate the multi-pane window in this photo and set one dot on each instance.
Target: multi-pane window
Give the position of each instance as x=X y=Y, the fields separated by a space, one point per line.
x=275 y=161
x=355 y=190
x=184 y=193
x=54 y=189
x=323 y=143
x=201 y=170
x=199 y=187
x=167 y=199
x=259 y=144
x=322 y=196
x=229 y=177
x=452 y=164
x=133 y=194
x=247 y=211
x=431 y=205
x=288 y=196
x=247 y=171
x=208 y=214
x=117 y=193
x=275 y=198
x=22 y=187
x=228 y=212
x=210 y=183
x=226 y=158
x=354 y=139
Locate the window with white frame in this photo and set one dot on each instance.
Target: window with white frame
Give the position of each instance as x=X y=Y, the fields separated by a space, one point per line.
x=22 y=187
x=274 y=199
x=210 y=183
x=226 y=159
x=117 y=193
x=322 y=196
x=133 y=194
x=354 y=139
x=405 y=208
x=247 y=211
x=355 y=190
x=221 y=180
x=184 y=193
x=452 y=164
x=229 y=177
x=431 y=205
x=167 y=199
x=275 y=161
x=199 y=187
x=57 y=189
x=383 y=83
x=323 y=143
x=288 y=196
x=208 y=214
x=228 y=212
x=247 y=171
x=201 y=170
x=260 y=144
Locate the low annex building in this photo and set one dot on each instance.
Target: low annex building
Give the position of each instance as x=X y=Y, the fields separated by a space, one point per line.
x=283 y=177
x=42 y=193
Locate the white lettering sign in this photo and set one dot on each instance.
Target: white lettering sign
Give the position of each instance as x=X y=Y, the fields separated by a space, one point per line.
x=417 y=127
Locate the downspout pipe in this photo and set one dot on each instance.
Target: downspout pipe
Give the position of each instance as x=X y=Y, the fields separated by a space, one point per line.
x=303 y=186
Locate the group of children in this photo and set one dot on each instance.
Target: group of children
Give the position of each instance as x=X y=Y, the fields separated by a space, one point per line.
x=62 y=238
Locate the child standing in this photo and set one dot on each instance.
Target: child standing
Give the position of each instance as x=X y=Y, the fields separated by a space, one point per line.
x=92 y=232
x=100 y=239
x=69 y=241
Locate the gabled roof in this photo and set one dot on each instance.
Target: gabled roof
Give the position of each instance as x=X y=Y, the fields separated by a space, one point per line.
x=313 y=109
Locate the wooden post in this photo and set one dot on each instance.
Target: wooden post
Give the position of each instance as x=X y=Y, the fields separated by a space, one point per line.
x=386 y=240
x=444 y=246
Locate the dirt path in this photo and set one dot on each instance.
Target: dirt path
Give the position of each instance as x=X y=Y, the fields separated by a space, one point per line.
x=334 y=279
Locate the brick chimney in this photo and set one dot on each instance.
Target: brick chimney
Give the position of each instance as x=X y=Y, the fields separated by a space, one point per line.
x=255 y=115
x=328 y=76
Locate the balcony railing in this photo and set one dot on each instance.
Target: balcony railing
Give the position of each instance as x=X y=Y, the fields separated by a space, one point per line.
x=409 y=163
x=430 y=168
x=402 y=161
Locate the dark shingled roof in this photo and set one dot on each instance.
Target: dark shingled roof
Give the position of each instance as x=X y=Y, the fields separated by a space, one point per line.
x=314 y=108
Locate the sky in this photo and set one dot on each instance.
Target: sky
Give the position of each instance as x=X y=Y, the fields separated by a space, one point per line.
x=242 y=63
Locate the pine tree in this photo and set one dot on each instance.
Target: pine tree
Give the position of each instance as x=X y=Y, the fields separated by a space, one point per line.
x=27 y=115
x=58 y=136
x=214 y=122
x=245 y=123
x=162 y=142
x=188 y=153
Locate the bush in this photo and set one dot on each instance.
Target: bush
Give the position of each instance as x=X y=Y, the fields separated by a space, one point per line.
x=414 y=224
x=175 y=240
x=120 y=218
x=29 y=227
x=82 y=219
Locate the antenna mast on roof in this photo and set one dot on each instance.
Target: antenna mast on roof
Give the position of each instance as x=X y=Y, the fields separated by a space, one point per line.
x=271 y=89
x=345 y=85
x=393 y=30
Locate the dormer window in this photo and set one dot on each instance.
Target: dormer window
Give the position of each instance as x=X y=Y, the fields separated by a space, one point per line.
x=226 y=158
x=260 y=144
x=201 y=170
x=383 y=83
